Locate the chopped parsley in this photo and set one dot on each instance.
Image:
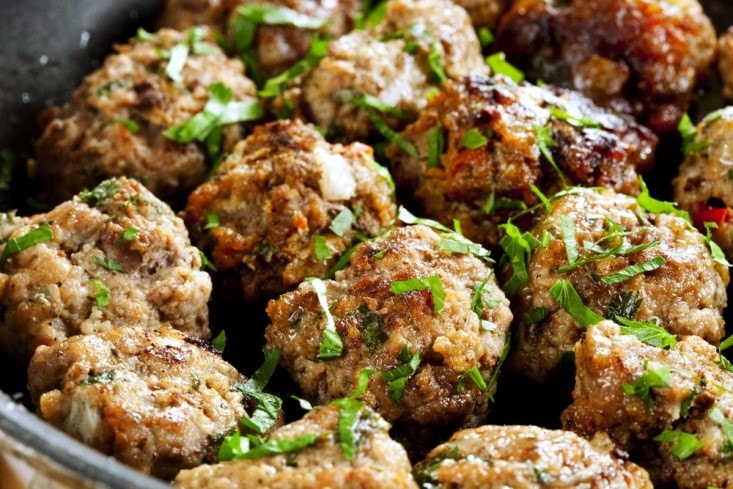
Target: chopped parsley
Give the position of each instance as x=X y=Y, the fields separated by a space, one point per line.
x=397 y=377
x=131 y=125
x=110 y=264
x=13 y=246
x=371 y=14
x=236 y=447
x=374 y=111
x=320 y=248
x=220 y=341
x=497 y=370
x=349 y=412
x=101 y=293
x=473 y=374
x=568 y=237
x=371 y=327
x=436 y=145
x=573 y=119
x=478 y=303
x=623 y=304
x=431 y=283
x=717 y=415
x=715 y=251
x=212 y=220
x=685 y=444
x=517 y=250
x=100 y=193
x=649 y=379
x=342 y=222
x=342 y=262
x=688 y=133
x=205 y=262
x=650 y=204
x=650 y=332
x=331 y=345
x=268 y=406
x=99 y=378
x=545 y=143
x=634 y=270
x=473 y=139
x=276 y=85
x=536 y=315
x=485 y=36
x=722 y=361
x=130 y=233
x=568 y=298
x=543 y=198
x=500 y=66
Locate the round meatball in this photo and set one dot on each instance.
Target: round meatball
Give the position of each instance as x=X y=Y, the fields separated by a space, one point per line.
x=155 y=399
x=288 y=203
x=432 y=321
x=114 y=124
x=483 y=183
x=526 y=456
x=725 y=62
x=484 y=13
x=625 y=262
x=112 y=256
x=641 y=57
x=703 y=186
x=380 y=62
x=184 y=14
x=378 y=462
x=692 y=397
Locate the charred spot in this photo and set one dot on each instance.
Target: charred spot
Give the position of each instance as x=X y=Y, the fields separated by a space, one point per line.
x=201 y=343
x=149 y=95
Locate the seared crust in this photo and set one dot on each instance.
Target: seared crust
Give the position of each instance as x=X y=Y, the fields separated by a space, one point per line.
x=689 y=275
x=375 y=324
x=277 y=191
x=606 y=360
x=641 y=57
x=149 y=397
x=86 y=141
x=47 y=291
x=508 y=116
x=526 y=457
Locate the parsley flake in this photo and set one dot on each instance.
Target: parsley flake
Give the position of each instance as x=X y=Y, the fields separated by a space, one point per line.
x=568 y=298
x=13 y=246
x=101 y=294
x=331 y=345
x=545 y=143
x=431 y=283
x=649 y=379
x=130 y=233
x=573 y=119
x=212 y=220
x=397 y=377
x=717 y=415
x=268 y=406
x=473 y=374
x=650 y=332
x=220 y=341
x=634 y=270
x=500 y=66
x=685 y=444
x=131 y=125
x=650 y=204
x=100 y=193
x=568 y=237
x=277 y=85
x=320 y=248
x=473 y=139
x=349 y=412
x=110 y=264
x=436 y=145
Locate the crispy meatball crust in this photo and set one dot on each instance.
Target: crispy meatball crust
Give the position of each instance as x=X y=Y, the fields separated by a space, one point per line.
x=375 y=324
x=155 y=399
x=363 y=62
x=641 y=57
x=465 y=179
x=703 y=185
x=689 y=275
x=379 y=462
x=276 y=192
x=48 y=292
x=526 y=457
x=606 y=361
x=86 y=142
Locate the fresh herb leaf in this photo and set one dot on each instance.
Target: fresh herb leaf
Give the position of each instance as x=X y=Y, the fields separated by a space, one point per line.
x=473 y=139
x=650 y=204
x=321 y=249
x=573 y=119
x=276 y=15
x=176 y=62
x=500 y=66
x=517 y=251
x=435 y=62
x=99 y=378
x=13 y=246
x=277 y=85
x=130 y=233
x=473 y=374
x=212 y=220
x=349 y=412
x=485 y=36
x=543 y=198
x=331 y=345
x=536 y=315
x=634 y=270
x=205 y=262
x=397 y=377
x=110 y=264
x=685 y=444
x=100 y=193
x=409 y=218
x=649 y=379
x=304 y=404
x=478 y=303
x=545 y=143
x=497 y=370
x=623 y=304
x=101 y=293
x=436 y=145
x=371 y=327
x=715 y=251
x=371 y=14
x=382 y=172
x=220 y=342
x=280 y=446
x=373 y=112
x=717 y=415
x=342 y=222
x=568 y=298
x=143 y=35
x=568 y=237
x=131 y=125
x=688 y=132
x=431 y=283
x=342 y=262
x=268 y=405
x=649 y=332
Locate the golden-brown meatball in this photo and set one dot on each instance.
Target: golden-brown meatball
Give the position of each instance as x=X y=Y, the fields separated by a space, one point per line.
x=278 y=200
x=184 y=14
x=641 y=57
x=620 y=260
x=112 y=256
x=725 y=62
x=155 y=399
x=482 y=184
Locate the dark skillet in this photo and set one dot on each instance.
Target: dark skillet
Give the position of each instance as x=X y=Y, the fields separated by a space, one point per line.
x=46 y=47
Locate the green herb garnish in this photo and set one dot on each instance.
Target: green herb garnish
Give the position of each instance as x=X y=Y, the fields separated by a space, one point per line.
x=100 y=193
x=349 y=412
x=634 y=270
x=13 y=246
x=436 y=145
x=685 y=444
x=268 y=405
x=649 y=379
x=220 y=341
x=342 y=222
x=650 y=332
x=431 y=283
x=331 y=345
x=397 y=377
x=101 y=294
x=500 y=66
x=473 y=139
x=573 y=119
x=321 y=249
x=568 y=298
x=473 y=374
x=212 y=220
x=110 y=264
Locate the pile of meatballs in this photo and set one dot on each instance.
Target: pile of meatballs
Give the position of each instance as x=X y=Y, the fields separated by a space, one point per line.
x=422 y=196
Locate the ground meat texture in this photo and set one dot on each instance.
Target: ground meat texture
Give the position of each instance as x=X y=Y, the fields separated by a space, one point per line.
x=120 y=238
x=703 y=186
x=376 y=325
x=687 y=273
x=155 y=399
x=91 y=137
x=276 y=195
x=526 y=457
x=461 y=181
x=367 y=62
x=484 y=13
x=184 y=14
x=379 y=461
x=641 y=57
x=725 y=62
x=696 y=386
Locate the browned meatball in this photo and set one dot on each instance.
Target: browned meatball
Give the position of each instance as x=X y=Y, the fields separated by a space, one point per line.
x=677 y=281
x=277 y=195
x=115 y=121
x=725 y=62
x=378 y=62
x=641 y=57
x=153 y=398
x=473 y=182
x=111 y=257
x=484 y=13
x=703 y=186
x=527 y=457
x=379 y=462
x=642 y=395
x=184 y=14
x=441 y=336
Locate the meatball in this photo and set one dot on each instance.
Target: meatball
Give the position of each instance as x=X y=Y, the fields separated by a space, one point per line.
x=153 y=398
x=431 y=320
x=626 y=261
x=484 y=13
x=482 y=184
x=703 y=186
x=288 y=203
x=112 y=256
x=690 y=396
x=725 y=62
x=526 y=456
x=378 y=462
x=390 y=62
x=641 y=57
x=184 y=14
x=114 y=124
